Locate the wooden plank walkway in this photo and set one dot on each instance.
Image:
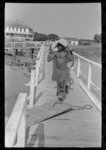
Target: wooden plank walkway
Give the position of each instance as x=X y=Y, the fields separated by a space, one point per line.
x=77 y=128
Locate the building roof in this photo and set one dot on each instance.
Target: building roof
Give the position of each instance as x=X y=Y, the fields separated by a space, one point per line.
x=16 y=24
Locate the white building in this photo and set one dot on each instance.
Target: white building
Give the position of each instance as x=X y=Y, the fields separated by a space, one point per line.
x=15 y=30
x=72 y=41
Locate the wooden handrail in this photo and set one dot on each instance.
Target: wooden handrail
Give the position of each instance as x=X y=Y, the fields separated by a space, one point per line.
x=16 y=125
x=88 y=77
x=14 y=120
x=92 y=62
x=35 y=77
x=89 y=69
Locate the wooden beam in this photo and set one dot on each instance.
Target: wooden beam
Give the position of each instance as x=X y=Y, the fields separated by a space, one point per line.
x=21 y=131
x=14 y=120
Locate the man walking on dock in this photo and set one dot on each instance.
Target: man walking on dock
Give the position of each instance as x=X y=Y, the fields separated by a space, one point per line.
x=60 y=55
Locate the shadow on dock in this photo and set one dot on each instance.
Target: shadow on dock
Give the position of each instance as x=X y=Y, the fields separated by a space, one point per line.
x=37 y=135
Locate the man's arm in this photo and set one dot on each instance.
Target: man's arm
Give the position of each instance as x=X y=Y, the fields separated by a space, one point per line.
x=70 y=56
x=51 y=54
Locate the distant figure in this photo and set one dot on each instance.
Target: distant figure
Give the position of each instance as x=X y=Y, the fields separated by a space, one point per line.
x=60 y=55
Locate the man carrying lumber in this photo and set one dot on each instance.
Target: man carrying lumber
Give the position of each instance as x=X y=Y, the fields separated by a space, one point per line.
x=60 y=55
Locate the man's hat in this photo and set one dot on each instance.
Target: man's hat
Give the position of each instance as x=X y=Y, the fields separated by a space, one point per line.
x=63 y=42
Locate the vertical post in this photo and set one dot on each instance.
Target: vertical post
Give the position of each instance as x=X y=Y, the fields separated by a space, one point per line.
x=32 y=89
x=89 y=76
x=78 y=69
x=12 y=48
x=21 y=131
x=37 y=72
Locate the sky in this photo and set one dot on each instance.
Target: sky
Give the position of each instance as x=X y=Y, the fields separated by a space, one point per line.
x=79 y=20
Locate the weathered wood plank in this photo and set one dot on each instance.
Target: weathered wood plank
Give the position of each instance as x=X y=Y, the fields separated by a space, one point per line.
x=14 y=120
x=21 y=131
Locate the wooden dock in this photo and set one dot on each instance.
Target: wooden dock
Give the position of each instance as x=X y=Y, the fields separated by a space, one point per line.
x=76 y=128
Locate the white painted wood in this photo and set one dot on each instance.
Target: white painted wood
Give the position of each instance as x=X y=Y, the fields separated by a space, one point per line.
x=21 y=131
x=89 y=76
x=83 y=74
x=14 y=120
x=15 y=145
x=38 y=64
x=31 y=89
x=91 y=96
x=92 y=62
x=78 y=69
x=98 y=88
x=89 y=81
x=37 y=72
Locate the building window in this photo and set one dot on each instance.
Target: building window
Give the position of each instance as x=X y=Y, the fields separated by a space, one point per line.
x=7 y=34
x=22 y=30
x=7 y=28
x=27 y=30
x=11 y=29
x=11 y=35
x=19 y=29
x=14 y=29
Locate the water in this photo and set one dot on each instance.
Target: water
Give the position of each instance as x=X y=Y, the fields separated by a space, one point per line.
x=17 y=74
x=14 y=84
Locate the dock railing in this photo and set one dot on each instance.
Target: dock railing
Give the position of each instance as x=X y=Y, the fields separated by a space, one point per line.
x=22 y=45
x=89 y=84
x=35 y=77
x=15 y=130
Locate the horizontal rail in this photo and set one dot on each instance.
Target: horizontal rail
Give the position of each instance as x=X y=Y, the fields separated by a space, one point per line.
x=92 y=83
x=92 y=62
x=29 y=44
x=35 y=77
x=14 y=120
x=87 y=88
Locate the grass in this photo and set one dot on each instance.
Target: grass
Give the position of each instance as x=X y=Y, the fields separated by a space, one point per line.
x=92 y=52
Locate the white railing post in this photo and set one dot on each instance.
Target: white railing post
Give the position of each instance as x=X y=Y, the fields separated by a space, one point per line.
x=38 y=62
x=89 y=76
x=31 y=89
x=37 y=72
x=21 y=131
x=78 y=69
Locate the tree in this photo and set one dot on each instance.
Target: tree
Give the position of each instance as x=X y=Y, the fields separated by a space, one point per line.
x=44 y=37
x=97 y=38
x=53 y=36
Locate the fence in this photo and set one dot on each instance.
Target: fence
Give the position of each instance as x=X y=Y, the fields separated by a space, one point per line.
x=22 y=45
x=35 y=77
x=15 y=129
x=88 y=85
